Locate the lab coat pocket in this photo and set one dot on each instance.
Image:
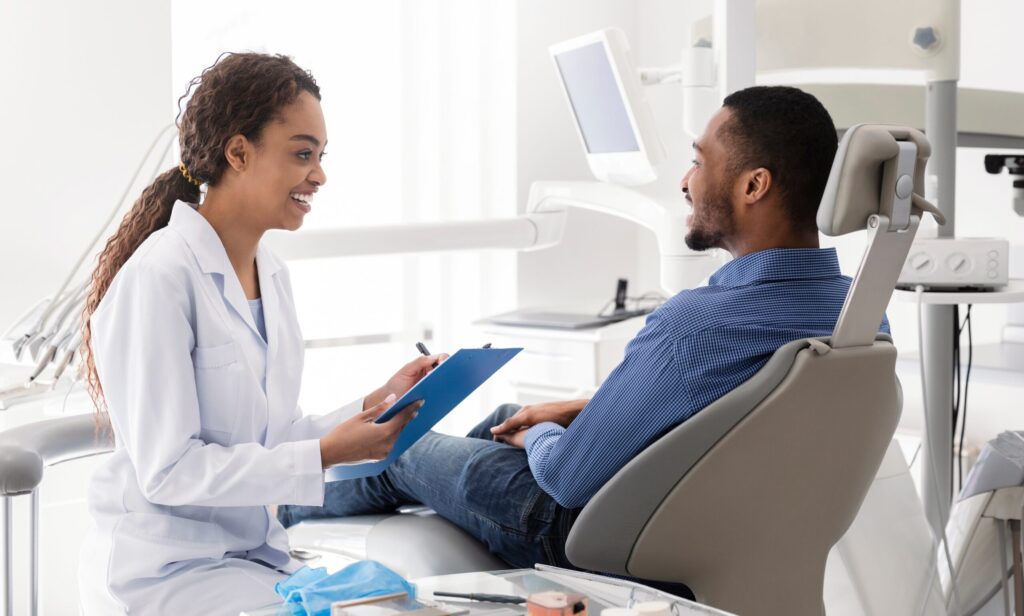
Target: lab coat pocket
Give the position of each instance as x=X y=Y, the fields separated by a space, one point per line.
x=218 y=378
x=148 y=545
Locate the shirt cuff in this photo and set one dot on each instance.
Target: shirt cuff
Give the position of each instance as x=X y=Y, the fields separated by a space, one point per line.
x=542 y=431
x=308 y=472
x=315 y=426
x=349 y=410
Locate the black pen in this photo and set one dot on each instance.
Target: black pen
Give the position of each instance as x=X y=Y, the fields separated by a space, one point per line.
x=482 y=597
x=422 y=348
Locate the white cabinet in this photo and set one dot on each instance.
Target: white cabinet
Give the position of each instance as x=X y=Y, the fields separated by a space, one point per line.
x=560 y=364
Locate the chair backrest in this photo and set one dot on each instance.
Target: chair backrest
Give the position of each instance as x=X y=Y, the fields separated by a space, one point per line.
x=793 y=452
x=743 y=501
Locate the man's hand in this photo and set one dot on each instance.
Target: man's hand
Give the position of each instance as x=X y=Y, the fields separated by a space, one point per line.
x=561 y=413
x=516 y=439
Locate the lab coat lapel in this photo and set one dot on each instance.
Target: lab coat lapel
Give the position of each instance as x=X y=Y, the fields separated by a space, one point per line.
x=212 y=258
x=235 y=297
x=268 y=267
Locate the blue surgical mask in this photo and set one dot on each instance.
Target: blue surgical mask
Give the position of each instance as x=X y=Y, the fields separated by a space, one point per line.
x=315 y=590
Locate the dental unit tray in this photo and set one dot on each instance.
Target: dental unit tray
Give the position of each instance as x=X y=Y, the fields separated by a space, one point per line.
x=441 y=391
x=562 y=320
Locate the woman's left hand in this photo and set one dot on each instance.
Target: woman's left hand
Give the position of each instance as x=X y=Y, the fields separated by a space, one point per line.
x=403 y=380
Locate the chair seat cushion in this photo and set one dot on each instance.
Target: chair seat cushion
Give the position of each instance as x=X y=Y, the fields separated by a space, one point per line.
x=413 y=545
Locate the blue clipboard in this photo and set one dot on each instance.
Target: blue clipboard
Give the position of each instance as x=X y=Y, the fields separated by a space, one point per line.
x=441 y=391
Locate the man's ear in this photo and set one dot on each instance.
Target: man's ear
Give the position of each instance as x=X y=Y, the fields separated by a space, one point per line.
x=757 y=183
x=238 y=152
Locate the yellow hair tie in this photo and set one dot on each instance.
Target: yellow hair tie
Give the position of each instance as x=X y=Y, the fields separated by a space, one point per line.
x=188 y=176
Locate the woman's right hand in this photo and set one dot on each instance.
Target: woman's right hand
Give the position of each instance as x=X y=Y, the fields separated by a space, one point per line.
x=359 y=438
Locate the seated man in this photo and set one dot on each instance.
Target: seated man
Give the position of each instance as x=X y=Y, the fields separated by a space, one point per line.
x=518 y=480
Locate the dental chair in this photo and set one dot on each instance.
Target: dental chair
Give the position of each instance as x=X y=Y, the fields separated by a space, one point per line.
x=743 y=502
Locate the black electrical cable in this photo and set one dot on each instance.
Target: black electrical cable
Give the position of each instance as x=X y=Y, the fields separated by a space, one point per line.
x=957 y=330
x=967 y=385
x=646 y=303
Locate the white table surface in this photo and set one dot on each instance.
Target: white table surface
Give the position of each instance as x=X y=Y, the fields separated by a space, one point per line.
x=602 y=592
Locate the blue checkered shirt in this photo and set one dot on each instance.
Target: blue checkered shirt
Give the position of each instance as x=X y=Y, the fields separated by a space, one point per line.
x=697 y=347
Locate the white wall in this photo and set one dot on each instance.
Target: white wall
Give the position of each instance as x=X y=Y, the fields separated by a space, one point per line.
x=86 y=86
x=580 y=272
x=664 y=34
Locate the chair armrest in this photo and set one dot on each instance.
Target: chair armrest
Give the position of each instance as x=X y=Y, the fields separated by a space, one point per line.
x=25 y=450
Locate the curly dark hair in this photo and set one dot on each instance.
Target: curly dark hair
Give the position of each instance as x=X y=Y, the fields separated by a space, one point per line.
x=790 y=133
x=238 y=95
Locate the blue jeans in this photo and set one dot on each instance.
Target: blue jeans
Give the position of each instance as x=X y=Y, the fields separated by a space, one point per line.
x=484 y=487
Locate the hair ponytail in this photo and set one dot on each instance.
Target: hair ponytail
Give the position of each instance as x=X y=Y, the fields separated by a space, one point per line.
x=151 y=212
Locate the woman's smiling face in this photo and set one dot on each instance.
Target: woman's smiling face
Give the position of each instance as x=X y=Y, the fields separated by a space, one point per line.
x=286 y=170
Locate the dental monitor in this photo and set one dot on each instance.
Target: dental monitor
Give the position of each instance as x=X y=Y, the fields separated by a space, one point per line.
x=605 y=95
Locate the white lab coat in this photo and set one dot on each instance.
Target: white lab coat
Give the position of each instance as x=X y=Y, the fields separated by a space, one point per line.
x=201 y=450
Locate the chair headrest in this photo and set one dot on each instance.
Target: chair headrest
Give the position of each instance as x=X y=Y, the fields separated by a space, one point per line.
x=864 y=180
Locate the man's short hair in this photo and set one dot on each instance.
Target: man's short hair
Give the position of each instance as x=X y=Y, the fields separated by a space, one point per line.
x=788 y=132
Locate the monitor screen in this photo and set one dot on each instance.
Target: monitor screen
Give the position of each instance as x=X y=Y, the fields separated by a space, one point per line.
x=596 y=100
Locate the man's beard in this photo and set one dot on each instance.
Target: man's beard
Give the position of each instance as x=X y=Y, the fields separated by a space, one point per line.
x=715 y=223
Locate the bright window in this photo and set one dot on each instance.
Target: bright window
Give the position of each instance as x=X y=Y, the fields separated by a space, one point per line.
x=418 y=131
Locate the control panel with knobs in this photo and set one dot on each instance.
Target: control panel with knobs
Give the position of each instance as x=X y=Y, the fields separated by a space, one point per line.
x=954 y=263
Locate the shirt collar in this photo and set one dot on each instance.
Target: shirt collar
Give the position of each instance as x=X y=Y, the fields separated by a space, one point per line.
x=205 y=244
x=778 y=264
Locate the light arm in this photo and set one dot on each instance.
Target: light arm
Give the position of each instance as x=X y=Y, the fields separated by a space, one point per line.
x=541 y=227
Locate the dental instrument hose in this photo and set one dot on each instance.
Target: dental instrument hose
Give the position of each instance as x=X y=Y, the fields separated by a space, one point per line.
x=967 y=388
x=919 y=292
x=100 y=233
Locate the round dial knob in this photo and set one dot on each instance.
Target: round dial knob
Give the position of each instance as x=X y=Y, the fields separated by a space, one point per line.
x=921 y=262
x=958 y=263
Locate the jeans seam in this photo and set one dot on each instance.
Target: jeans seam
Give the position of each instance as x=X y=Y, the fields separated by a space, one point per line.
x=493 y=523
x=546 y=544
x=528 y=509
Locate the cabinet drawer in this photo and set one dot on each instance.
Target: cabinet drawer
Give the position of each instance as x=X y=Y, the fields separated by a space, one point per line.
x=554 y=363
x=535 y=394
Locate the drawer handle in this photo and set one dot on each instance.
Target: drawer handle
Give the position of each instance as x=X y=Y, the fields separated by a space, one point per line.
x=558 y=356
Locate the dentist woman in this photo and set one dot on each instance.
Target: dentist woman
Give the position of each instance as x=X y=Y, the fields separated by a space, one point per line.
x=195 y=356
